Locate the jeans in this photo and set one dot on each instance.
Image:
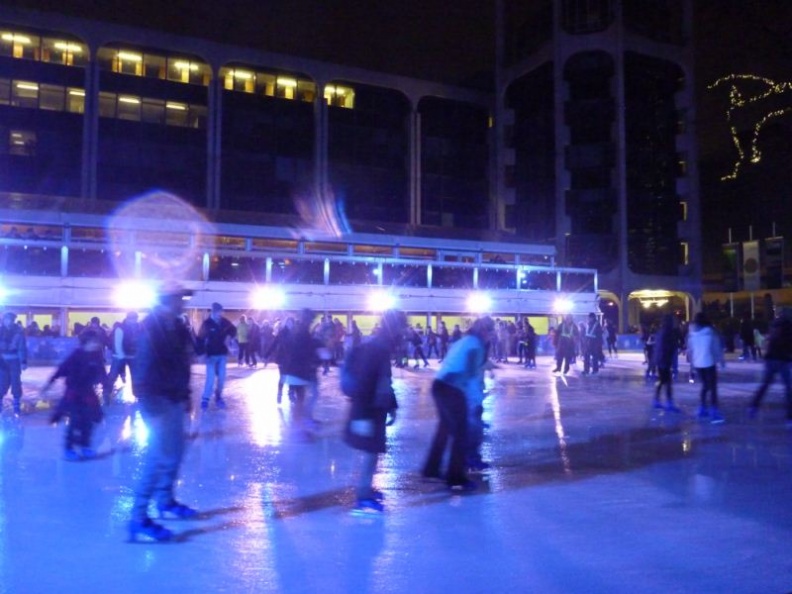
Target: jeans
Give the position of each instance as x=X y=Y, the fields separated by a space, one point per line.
x=215 y=372
x=709 y=383
x=162 y=456
x=452 y=410
x=771 y=368
x=11 y=377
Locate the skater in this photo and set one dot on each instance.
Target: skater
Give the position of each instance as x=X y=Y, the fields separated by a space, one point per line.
x=610 y=334
x=162 y=384
x=592 y=346
x=13 y=359
x=83 y=371
x=213 y=338
x=529 y=349
x=705 y=350
x=373 y=405
x=777 y=360
x=303 y=353
x=665 y=352
x=415 y=337
x=123 y=345
x=458 y=378
x=277 y=351
x=566 y=337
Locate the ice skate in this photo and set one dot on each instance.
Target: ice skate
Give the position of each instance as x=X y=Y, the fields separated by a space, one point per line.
x=148 y=531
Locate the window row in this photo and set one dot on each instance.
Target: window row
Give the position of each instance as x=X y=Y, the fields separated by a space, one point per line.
x=56 y=50
x=32 y=260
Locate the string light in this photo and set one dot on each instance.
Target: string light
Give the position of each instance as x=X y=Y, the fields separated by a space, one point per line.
x=738 y=100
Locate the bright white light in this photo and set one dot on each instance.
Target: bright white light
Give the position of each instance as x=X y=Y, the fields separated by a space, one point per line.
x=268 y=298
x=479 y=303
x=134 y=295
x=380 y=301
x=563 y=305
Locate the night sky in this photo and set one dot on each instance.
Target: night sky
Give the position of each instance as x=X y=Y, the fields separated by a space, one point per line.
x=453 y=42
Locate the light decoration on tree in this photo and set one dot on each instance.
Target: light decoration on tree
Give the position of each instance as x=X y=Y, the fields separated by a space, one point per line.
x=738 y=99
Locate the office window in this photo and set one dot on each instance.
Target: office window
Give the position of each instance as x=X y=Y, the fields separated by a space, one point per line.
x=75 y=100
x=176 y=114
x=52 y=97
x=128 y=108
x=107 y=105
x=22 y=143
x=25 y=94
x=155 y=66
x=19 y=45
x=152 y=111
x=5 y=91
x=61 y=51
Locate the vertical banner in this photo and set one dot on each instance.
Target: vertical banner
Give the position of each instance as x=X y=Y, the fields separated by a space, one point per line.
x=774 y=262
x=731 y=267
x=750 y=266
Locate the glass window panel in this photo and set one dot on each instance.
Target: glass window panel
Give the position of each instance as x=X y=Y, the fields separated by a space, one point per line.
x=353 y=273
x=5 y=91
x=573 y=282
x=176 y=114
x=404 y=275
x=75 y=100
x=237 y=268
x=152 y=111
x=201 y=74
x=24 y=94
x=197 y=115
x=63 y=51
x=533 y=280
x=22 y=143
x=493 y=278
x=158 y=265
x=179 y=69
x=306 y=91
x=265 y=84
x=33 y=260
x=452 y=277
x=106 y=57
x=94 y=263
x=155 y=66
x=128 y=108
x=306 y=272
x=107 y=105
x=274 y=244
x=52 y=97
x=128 y=62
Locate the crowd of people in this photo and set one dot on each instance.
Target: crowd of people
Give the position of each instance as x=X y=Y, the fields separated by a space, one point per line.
x=157 y=354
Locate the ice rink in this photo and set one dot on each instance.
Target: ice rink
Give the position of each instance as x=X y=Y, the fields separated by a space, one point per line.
x=592 y=490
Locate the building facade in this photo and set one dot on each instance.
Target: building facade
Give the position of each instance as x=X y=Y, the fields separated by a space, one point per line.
x=586 y=145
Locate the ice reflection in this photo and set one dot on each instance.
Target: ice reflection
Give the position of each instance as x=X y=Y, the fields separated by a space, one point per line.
x=135 y=429
x=260 y=388
x=559 y=426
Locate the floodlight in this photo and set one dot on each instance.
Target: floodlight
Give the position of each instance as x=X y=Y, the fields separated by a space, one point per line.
x=381 y=300
x=562 y=305
x=479 y=303
x=268 y=298
x=134 y=295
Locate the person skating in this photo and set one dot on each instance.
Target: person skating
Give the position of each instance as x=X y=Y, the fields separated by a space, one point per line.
x=373 y=406
x=213 y=338
x=13 y=359
x=83 y=370
x=705 y=350
x=458 y=376
x=162 y=385
x=665 y=352
x=777 y=361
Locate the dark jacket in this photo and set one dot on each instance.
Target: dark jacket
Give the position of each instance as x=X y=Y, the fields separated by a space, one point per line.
x=779 y=342
x=666 y=347
x=82 y=370
x=300 y=358
x=376 y=399
x=162 y=366
x=212 y=336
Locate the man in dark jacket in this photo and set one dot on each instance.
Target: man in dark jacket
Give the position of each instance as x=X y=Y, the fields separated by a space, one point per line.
x=373 y=406
x=13 y=359
x=778 y=360
x=665 y=355
x=213 y=338
x=162 y=385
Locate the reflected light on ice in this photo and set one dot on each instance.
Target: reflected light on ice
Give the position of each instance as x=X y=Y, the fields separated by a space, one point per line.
x=559 y=427
x=260 y=389
x=134 y=428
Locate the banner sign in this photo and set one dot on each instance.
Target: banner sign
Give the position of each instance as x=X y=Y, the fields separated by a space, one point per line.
x=774 y=262
x=751 y=269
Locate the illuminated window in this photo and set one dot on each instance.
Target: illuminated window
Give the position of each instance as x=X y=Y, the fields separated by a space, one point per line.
x=683 y=207
x=188 y=71
x=339 y=96
x=62 y=51
x=152 y=111
x=75 y=100
x=684 y=252
x=22 y=143
x=15 y=44
x=155 y=66
x=176 y=114
x=128 y=108
x=24 y=94
x=128 y=62
x=107 y=105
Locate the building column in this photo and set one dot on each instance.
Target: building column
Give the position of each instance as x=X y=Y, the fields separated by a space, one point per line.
x=321 y=134
x=214 y=143
x=90 y=137
x=415 y=167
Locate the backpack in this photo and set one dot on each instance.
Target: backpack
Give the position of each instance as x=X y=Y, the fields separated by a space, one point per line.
x=356 y=376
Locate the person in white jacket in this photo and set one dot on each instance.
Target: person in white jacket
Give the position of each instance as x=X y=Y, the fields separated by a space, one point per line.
x=705 y=351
